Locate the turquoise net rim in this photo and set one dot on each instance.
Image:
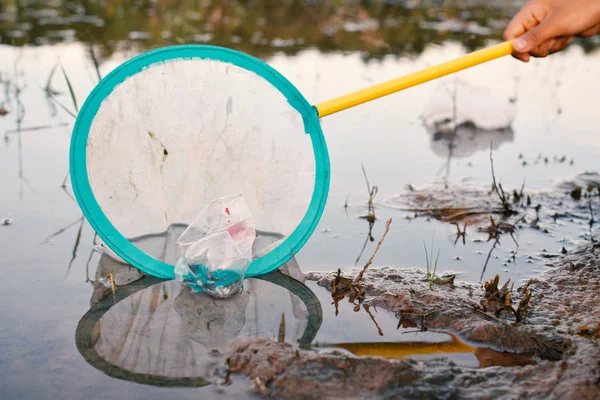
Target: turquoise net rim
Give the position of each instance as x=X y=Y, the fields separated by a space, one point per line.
x=107 y=231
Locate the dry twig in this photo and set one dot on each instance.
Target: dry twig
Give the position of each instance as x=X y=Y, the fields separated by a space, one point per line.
x=260 y=385
x=112 y=283
x=366 y=307
x=499 y=191
x=281 y=338
x=368 y=264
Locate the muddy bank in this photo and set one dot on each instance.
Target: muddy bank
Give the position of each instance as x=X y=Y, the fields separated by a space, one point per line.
x=561 y=326
x=574 y=200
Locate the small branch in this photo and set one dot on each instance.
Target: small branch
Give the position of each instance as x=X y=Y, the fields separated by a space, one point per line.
x=260 y=385
x=493 y=174
x=346 y=205
x=369 y=237
x=372 y=191
x=58 y=232
x=64 y=184
x=360 y=275
x=36 y=128
x=77 y=240
x=502 y=196
x=95 y=61
x=514 y=226
x=508 y=307
x=112 y=282
x=421 y=314
x=58 y=103
x=489 y=316
x=366 y=179
x=281 y=337
x=487 y=260
x=366 y=307
x=335 y=282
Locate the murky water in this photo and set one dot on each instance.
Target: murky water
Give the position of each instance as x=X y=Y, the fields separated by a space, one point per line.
x=46 y=249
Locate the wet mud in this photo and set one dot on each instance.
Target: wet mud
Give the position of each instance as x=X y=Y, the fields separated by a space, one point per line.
x=574 y=199
x=457 y=308
x=562 y=328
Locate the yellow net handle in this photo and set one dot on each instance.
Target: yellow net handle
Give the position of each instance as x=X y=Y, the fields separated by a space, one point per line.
x=414 y=79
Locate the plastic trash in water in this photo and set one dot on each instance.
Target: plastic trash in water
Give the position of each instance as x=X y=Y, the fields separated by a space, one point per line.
x=216 y=248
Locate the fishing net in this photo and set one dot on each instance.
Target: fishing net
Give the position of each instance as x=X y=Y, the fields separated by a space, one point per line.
x=174 y=130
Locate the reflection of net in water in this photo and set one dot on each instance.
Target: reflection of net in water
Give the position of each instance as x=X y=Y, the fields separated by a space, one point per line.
x=159 y=332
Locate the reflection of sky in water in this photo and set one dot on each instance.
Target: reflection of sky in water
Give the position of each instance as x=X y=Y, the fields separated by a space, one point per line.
x=553 y=118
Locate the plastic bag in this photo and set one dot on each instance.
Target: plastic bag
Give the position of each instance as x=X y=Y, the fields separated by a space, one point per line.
x=216 y=248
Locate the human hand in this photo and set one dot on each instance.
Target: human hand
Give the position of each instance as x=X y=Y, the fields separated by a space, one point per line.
x=543 y=27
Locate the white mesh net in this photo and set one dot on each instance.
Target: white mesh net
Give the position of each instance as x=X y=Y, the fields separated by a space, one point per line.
x=180 y=134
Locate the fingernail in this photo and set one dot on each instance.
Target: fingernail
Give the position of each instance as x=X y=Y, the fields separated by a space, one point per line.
x=519 y=44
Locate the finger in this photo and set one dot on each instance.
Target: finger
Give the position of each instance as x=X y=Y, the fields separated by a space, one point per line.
x=529 y=16
x=543 y=49
x=535 y=37
x=551 y=46
x=590 y=32
x=561 y=43
x=522 y=56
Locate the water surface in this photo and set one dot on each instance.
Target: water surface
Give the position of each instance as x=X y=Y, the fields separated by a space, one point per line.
x=46 y=248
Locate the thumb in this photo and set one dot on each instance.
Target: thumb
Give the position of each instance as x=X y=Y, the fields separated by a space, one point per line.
x=534 y=37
